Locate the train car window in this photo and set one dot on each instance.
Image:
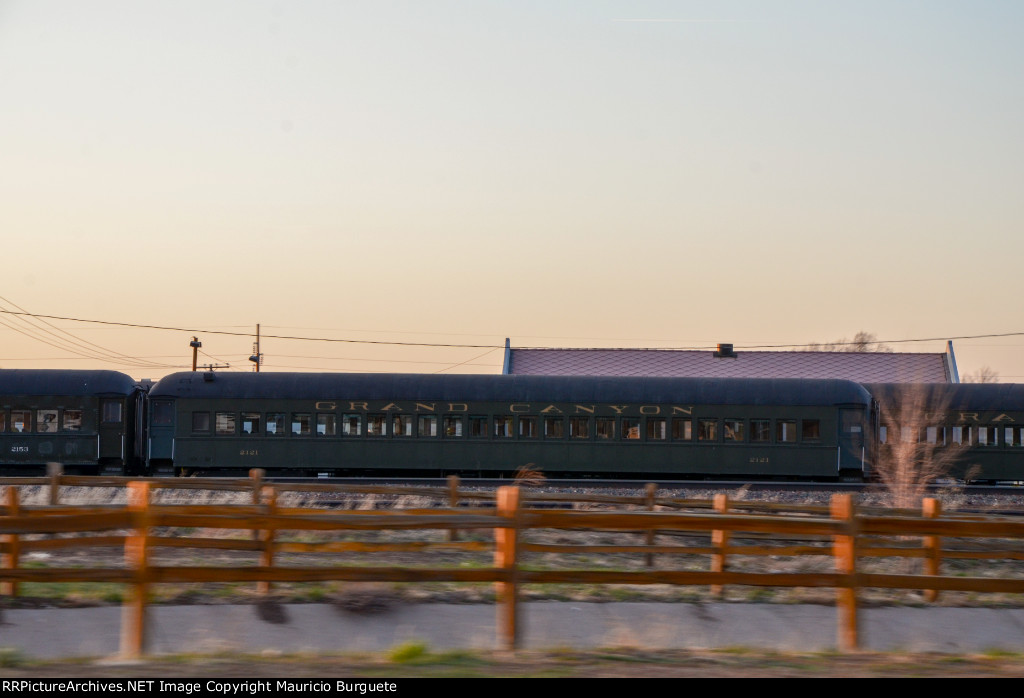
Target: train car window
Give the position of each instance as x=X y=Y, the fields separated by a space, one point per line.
x=46 y=421
x=376 y=424
x=761 y=430
x=579 y=427
x=503 y=427
x=401 y=425
x=21 y=421
x=907 y=435
x=326 y=425
x=732 y=430
x=810 y=430
x=3 y=422
x=1013 y=436
x=682 y=430
x=785 y=431
x=251 y=423
x=112 y=412
x=200 y=422
x=630 y=428
x=163 y=413
x=933 y=436
x=453 y=427
x=427 y=425
x=987 y=436
x=656 y=429
x=72 y=421
x=528 y=427
x=554 y=428
x=224 y=423
x=352 y=425
x=302 y=424
x=605 y=428
x=275 y=424
x=707 y=430
x=478 y=427
x=960 y=436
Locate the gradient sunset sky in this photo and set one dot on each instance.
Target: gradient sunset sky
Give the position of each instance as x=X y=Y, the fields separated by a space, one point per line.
x=576 y=174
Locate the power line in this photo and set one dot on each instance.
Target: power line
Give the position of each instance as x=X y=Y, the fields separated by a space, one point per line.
x=250 y=334
x=477 y=346
x=75 y=345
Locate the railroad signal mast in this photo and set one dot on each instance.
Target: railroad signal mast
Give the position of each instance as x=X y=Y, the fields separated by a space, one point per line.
x=196 y=344
x=257 y=357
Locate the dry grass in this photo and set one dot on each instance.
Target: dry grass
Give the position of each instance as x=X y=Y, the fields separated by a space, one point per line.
x=421 y=662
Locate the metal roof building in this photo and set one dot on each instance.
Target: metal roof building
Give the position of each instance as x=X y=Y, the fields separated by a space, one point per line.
x=862 y=367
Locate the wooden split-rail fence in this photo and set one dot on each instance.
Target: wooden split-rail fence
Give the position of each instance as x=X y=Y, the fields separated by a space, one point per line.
x=842 y=530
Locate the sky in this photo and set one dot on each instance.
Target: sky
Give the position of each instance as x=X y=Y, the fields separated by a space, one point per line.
x=377 y=176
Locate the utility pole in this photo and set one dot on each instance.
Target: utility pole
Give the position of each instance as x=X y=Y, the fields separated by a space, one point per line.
x=257 y=357
x=195 y=344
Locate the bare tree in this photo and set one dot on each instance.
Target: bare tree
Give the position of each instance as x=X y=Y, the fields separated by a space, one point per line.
x=982 y=375
x=913 y=451
x=862 y=342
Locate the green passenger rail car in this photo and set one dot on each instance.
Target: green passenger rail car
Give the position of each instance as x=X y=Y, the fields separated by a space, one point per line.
x=972 y=432
x=86 y=420
x=491 y=425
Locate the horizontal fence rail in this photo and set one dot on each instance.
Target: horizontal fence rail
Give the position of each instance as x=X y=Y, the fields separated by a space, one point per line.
x=500 y=525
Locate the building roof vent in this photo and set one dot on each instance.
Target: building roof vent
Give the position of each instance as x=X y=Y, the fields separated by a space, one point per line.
x=725 y=352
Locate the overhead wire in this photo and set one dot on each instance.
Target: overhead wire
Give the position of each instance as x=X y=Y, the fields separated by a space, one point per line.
x=478 y=346
x=76 y=345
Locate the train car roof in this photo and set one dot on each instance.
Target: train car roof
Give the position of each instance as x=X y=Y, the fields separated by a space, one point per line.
x=499 y=388
x=18 y=381
x=1004 y=397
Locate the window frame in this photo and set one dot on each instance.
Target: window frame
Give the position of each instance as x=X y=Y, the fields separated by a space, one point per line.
x=67 y=421
x=199 y=417
x=716 y=432
x=760 y=426
x=231 y=417
x=430 y=419
x=534 y=428
x=551 y=421
x=279 y=420
x=403 y=426
x=650 y=430
x=739 y=430
x=806 y=424
x=329 y=421
x=256 y=427
x=684 y=424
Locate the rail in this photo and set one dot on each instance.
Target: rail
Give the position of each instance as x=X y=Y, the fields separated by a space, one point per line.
x=269 y=531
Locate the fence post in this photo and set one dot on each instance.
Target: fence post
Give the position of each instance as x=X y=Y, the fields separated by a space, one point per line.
x=256 y=474
x=267 y=536
x=720 y=541
x=506 y=558
x=932 y=509
x=844 y=547
x=54 y=471
x=649 y=491
x=136 y=553
x=10 y=558
x=453 y=501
